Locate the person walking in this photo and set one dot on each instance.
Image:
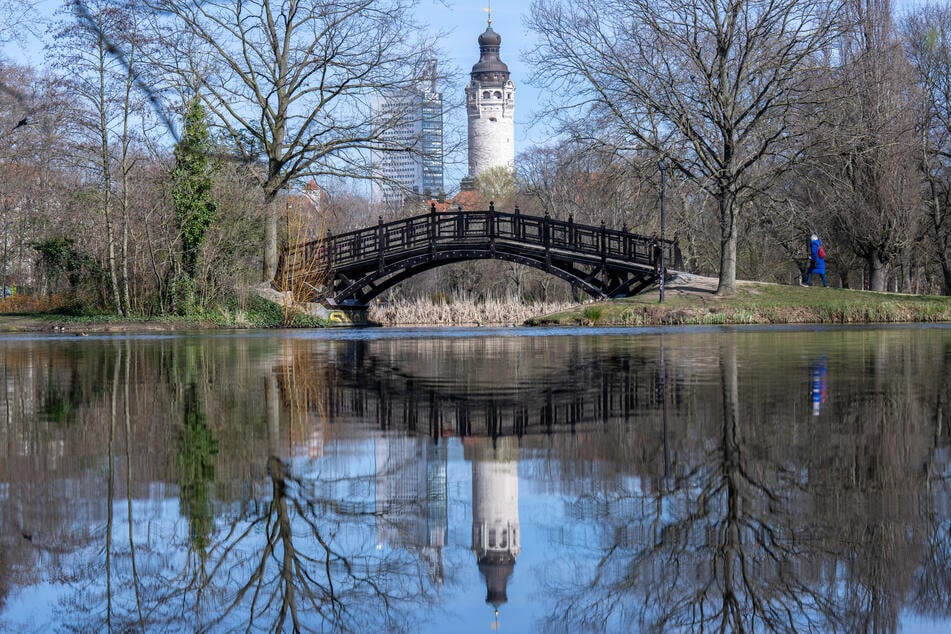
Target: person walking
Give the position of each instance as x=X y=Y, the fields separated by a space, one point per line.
x=817 y=262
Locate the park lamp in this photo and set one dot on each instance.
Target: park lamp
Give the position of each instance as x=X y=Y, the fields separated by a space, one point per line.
x=662 y=166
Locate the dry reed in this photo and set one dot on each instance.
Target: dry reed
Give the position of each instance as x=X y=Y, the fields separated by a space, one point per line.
x=461 y=312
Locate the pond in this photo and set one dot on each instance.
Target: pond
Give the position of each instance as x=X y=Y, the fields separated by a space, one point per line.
x=467 y=480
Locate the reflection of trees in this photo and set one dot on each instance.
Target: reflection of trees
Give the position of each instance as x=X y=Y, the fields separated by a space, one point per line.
x=718 y=551
x=267 y=541
x=292 y=560
x=871 y=474
x=932 y=593
x=751 y=537
x=293 y=557
x=107 y=592
x=197 y=446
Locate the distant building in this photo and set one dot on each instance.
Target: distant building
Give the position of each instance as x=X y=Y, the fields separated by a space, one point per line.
x=490 y=104
x=410 y=163
x=412 y=499
x=305 y=218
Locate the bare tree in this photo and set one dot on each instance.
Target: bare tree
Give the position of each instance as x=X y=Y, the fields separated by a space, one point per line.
x=16 y=18
x=88 y=60
x=870 y=189
x=291 y=81
x=498 y=185
x=927 y=36
x=712 y=86
x=592 y=182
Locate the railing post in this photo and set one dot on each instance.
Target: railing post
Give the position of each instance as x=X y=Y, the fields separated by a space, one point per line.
x=432 y=229
x=379 y=246
x=571 y=230
x=604 y=242
x=491 y=227
x=546 y=240
x=519 y=228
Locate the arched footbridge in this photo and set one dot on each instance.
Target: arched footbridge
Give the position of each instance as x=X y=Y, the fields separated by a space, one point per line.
x=350 y=269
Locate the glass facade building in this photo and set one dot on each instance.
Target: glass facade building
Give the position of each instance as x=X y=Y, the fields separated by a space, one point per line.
x=409 y=163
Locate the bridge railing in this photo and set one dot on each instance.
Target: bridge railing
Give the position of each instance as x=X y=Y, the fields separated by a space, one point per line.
x=420 y=232
x=429 y=231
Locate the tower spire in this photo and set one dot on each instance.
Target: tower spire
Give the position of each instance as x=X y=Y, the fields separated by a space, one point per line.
x=488 y=10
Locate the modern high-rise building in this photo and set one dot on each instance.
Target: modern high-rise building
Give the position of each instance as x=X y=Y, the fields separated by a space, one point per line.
x=490 y=104
x=410 y=162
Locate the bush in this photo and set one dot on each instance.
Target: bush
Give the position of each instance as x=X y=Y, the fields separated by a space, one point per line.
x=22 y=303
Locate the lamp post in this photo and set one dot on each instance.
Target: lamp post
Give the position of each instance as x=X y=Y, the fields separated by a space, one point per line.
x=6 y=287
x=662 y=166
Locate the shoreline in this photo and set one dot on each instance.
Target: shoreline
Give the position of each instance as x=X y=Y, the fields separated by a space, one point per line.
x=689 y=300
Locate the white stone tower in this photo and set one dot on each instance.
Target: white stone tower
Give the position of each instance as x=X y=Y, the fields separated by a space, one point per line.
x=490 y=104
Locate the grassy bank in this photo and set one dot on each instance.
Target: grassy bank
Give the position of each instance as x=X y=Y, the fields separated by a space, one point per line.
x=256 y=313
x=688 y=301
x=755 y=303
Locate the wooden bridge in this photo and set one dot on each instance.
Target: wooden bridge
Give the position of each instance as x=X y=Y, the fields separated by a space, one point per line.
x=352 y=268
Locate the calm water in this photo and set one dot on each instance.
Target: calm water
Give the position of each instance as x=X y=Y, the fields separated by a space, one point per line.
x=746 y=480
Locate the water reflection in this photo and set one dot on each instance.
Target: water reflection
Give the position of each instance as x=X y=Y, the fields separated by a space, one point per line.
x=819 y=372
x=611 y=483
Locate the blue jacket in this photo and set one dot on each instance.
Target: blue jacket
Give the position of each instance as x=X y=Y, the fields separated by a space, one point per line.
x=818 y=264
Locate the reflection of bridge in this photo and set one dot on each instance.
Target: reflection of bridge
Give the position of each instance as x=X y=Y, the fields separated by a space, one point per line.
x=354 y=267
x=358 y=385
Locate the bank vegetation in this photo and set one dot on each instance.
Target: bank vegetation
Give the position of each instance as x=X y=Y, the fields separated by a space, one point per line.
x=755 y=303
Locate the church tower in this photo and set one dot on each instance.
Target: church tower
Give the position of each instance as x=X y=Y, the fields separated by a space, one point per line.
x=490 y=104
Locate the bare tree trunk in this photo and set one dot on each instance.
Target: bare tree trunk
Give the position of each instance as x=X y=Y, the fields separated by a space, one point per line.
x=107 y=181
x=270 y=244
x=877 y=272
x=727 y=282
x=936 y=213
x=126 y=167
x=291 y=76
x=126 y=303
x=946 y=274
x=907 y=285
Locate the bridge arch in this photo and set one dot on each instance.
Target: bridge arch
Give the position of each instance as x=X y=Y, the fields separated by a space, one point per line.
x=352 y=268
x=365 y=289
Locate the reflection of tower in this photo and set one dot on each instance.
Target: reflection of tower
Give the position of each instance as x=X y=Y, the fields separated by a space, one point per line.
x=490 y=104
x=495 y=529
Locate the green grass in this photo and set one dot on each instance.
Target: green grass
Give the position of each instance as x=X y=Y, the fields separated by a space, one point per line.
x=759 y=303
x=255 y=313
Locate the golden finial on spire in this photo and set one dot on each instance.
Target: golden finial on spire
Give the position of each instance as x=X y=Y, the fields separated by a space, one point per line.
x=488 y=10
